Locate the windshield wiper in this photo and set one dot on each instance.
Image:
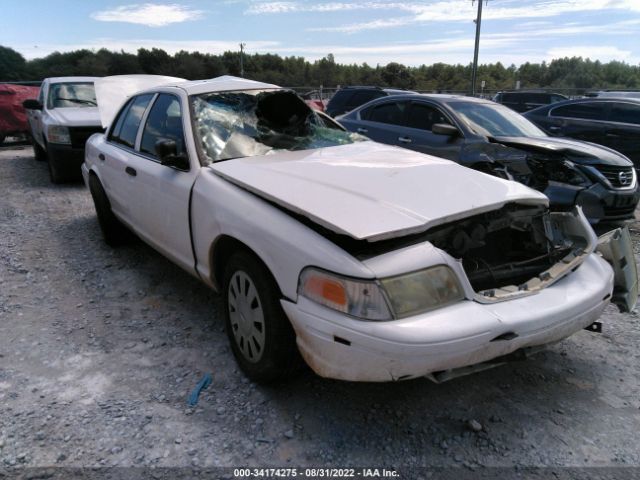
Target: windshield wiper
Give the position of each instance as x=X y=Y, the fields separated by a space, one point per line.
x=78 y=100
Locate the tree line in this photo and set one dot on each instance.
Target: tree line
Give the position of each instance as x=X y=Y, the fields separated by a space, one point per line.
x=574 y=73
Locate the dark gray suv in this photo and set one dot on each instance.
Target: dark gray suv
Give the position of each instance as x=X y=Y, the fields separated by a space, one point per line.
x=348 y=98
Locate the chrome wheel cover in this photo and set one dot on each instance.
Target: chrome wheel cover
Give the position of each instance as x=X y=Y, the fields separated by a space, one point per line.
x=246 y=316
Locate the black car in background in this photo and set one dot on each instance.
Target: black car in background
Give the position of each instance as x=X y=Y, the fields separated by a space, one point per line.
x=524 y=100
x=348 y=98
x=613 y=122
x=483 y=135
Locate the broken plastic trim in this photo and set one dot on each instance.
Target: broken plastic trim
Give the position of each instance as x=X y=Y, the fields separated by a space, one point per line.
x=516 y=356
x=616 y=248
x=574 y=226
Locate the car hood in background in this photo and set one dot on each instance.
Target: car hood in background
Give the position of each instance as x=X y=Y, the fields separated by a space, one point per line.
x=583 y=152
x=76 y=116
x=371 y=191
x=111 y=92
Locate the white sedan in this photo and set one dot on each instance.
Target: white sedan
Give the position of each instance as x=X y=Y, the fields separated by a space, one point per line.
x=374 y=263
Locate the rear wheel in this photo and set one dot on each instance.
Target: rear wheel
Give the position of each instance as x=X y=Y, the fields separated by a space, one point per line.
x=113 y=231
x=2 y=137
x=262 y=339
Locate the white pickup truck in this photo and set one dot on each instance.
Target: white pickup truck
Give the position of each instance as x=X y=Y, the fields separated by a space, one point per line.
x=61 y=119
x=374 y=263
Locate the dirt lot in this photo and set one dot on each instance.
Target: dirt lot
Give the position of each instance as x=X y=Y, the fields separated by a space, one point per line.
x=99 y=349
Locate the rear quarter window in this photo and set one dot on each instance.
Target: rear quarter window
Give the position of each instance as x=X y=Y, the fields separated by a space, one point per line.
x=625 y=113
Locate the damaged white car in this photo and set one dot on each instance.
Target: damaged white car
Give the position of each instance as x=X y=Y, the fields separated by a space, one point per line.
x=374 y=263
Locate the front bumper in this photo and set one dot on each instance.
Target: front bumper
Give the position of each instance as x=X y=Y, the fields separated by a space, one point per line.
x=66 y=157
x=600 y=204
x=460 y=335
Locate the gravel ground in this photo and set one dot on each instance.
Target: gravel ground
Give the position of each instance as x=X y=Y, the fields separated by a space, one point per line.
x=100 y=347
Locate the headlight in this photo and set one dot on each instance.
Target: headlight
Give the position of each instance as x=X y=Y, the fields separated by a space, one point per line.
x=358 y=298
x=58 y=134
x=395 y=297
x=423 y=290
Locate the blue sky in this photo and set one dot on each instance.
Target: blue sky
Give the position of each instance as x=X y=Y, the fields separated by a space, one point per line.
x=376 y=32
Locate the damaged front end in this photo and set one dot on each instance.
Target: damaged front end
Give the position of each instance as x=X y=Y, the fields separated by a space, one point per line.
x=606 y=188
x=516 y=251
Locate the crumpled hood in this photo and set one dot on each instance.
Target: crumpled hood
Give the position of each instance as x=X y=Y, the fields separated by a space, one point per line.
x=371 y=191
x=76 y=116
x=583 y=152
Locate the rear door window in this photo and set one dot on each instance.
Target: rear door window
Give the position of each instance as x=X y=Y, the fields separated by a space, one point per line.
x=625 y=113
x=392 y=113
x=126 y=126
x=163 y=123
x=586 y=111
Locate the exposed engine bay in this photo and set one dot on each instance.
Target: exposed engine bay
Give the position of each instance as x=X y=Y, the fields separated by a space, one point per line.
x=509 y=247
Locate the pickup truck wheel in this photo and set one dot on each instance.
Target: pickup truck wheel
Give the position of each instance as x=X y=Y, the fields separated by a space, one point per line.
x=38 y=152
x=55 y=172
x=260 y=334
x=113 y=231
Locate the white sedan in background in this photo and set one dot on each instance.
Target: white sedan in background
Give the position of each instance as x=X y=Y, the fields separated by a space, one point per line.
x=374 y=263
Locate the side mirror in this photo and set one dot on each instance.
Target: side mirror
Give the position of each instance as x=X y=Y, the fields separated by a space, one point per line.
x=167 y=152
x=32 y=104
x=444 y=129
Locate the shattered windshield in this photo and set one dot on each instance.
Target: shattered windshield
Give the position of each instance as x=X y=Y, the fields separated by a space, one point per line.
x=258 y=122
x=495 y=120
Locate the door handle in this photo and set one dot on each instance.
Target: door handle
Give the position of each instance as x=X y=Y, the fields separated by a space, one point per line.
x=362 y=130
x=553 y=128
x=131 y=171
x=101 y=156
x=613 y=135
x=404 y=139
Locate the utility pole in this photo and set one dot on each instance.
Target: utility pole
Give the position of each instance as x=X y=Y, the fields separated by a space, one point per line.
x=242 y=45
x=478 y=21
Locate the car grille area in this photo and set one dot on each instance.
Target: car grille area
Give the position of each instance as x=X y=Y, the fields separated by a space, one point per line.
x=80 y=135
x=619 y=177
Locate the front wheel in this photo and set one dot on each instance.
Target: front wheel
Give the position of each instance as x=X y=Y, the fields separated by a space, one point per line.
x=262 y=339
x=39 y=153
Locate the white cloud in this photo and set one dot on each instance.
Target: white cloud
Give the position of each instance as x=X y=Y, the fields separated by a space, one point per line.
x=594 y=52
x=444 y=11
x=286 y=7
x=149 y=14
x=359 y=27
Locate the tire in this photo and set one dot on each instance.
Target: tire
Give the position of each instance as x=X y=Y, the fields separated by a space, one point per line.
x=56 y=173
x=113 y=231
x=38 y=152
x=264 y=347
x=2 y=137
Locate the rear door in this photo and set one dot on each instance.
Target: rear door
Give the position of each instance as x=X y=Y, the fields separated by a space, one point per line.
x=159 y=195
x=623 y=130
x=582 y=121
x=385 y=122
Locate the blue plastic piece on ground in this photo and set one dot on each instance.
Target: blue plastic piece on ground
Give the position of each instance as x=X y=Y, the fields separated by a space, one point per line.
x=202 y=384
